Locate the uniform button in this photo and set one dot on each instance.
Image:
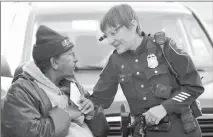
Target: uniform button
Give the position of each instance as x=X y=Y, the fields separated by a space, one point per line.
x=142 y=86
x=138 y=73
x=144 y=98
x=156 y=71
x=136 y=60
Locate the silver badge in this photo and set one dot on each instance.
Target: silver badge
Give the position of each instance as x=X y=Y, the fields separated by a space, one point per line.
x=152 y=61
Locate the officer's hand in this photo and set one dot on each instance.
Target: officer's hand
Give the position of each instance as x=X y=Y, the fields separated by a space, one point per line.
x=85 y=105
x=155 y=114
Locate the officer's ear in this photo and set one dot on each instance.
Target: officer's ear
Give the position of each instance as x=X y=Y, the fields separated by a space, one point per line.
x=134 y=25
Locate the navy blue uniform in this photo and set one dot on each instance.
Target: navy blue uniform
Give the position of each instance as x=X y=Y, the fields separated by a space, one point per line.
x=145 y=87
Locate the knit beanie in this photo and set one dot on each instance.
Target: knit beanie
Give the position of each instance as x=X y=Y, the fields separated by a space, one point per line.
x=49 y=43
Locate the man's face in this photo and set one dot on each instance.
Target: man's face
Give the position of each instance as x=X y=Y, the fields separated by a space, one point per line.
x=67 y=63
x=121 y=38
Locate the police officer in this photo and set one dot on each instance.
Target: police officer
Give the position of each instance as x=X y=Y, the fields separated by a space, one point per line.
x=138 y=65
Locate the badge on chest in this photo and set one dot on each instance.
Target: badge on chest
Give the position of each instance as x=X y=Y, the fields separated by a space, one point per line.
x=152 y=61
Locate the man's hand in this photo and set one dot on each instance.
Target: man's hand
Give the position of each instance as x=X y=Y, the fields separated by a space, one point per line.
x=85 y=105
x=65 y=89
x=155 y=114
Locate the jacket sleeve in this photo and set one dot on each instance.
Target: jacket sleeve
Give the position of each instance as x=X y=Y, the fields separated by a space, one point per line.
x=107 y=85
x=21 y=116
x=190 y=82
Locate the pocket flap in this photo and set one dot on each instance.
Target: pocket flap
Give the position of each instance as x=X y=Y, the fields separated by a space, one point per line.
x=163 y=91
x=125 y=78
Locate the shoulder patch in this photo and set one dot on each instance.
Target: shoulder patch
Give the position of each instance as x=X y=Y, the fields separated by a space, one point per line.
x=178 y=48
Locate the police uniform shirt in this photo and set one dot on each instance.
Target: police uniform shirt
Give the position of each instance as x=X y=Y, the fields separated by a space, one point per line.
x=146 y=80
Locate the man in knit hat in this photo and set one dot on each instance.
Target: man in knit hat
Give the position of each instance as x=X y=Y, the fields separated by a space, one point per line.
x=35 y=105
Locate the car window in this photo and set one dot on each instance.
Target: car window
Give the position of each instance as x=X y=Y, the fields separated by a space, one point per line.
x=85 y=35
x=84 y=29
x=198 y=40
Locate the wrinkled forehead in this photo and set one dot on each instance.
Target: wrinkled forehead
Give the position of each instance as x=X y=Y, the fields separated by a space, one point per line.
x=110 y=28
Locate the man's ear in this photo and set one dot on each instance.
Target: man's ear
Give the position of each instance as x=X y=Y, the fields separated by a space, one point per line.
x=54 y=63
x=134 y=25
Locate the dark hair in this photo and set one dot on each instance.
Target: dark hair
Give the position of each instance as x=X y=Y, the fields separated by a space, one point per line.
x=45 y=65
x=120 y=15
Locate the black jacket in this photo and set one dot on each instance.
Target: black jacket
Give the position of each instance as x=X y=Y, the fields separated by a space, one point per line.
x=27 y=112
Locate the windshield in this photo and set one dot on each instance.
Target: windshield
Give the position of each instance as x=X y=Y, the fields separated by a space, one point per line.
x=183 y=28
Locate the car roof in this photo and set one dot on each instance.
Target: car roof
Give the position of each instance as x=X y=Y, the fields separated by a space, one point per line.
x=102 y=7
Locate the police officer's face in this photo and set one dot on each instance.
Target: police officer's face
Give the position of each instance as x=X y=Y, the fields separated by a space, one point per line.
x=67 y=63
x=121 y=38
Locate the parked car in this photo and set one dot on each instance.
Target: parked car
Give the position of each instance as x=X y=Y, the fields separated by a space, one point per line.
x=6 y=76
x=80 y=22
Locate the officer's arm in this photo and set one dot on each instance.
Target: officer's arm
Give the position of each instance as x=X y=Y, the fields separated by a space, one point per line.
x=107 y=85
x=190 y=81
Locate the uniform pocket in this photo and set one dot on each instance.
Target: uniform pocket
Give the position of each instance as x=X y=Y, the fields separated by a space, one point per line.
x=162 y=91
x=125 y=78
x=149 y=72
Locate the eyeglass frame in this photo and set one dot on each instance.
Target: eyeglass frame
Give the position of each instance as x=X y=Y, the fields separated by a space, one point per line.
x=116 y=30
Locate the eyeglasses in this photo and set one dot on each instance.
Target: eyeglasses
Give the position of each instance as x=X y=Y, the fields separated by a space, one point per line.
x=113 y=33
